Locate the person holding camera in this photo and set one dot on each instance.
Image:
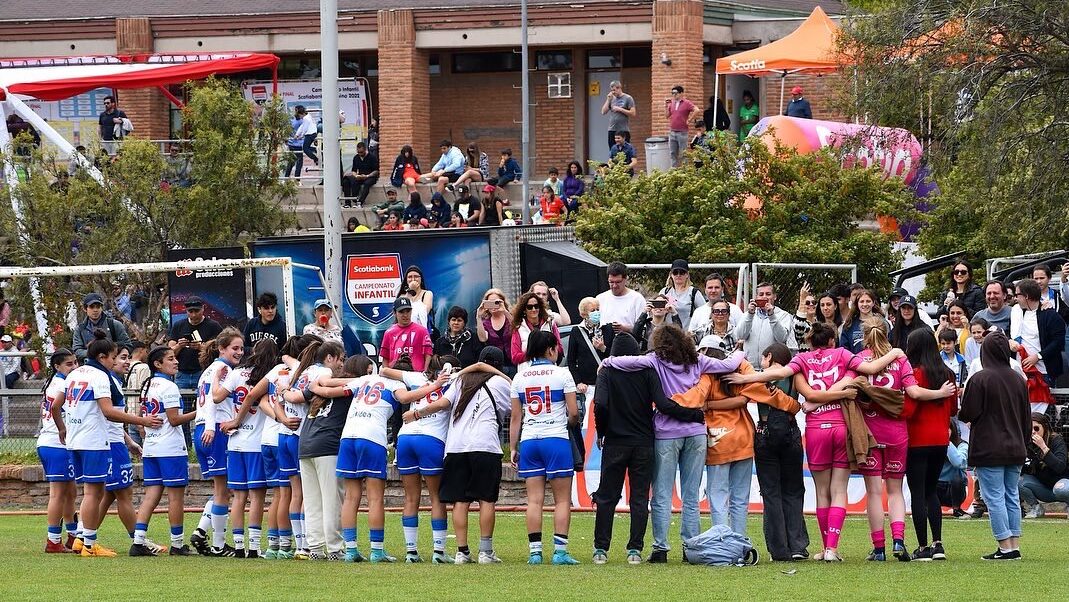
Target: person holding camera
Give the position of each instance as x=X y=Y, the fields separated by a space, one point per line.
x=186 y=339
x=659 y=311
x=763 y=324
x=1045 y=477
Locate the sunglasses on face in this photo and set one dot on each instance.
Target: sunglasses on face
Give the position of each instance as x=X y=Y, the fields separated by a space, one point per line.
x=679 y=272
x=810 y=303
x=961 y=272
x=720 y=312
x=530 y=307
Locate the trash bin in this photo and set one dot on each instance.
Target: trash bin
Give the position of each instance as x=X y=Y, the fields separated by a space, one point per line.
x=658 y=155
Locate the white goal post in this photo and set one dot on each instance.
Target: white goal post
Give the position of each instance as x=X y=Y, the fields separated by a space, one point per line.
x=285 y=263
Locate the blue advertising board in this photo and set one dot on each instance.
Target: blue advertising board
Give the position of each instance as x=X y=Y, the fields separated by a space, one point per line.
x=455 y=266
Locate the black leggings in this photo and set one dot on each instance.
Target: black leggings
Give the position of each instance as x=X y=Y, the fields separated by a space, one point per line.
x=923 y=465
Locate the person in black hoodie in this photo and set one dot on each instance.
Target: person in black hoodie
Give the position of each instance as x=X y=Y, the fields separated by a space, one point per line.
x=996 y=405
x=267 y=325
x=623 y=417
x=1044 y=477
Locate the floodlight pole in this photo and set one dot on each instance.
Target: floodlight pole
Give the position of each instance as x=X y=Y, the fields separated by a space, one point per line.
x=332 y=218
x=525 y=87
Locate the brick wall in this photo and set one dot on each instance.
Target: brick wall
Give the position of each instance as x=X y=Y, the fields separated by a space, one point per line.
x=147 y=108
x=677 y=35
x=819 y=90
x=403 y=87
x=555 y=128
x=636 y=82
x=483 y=108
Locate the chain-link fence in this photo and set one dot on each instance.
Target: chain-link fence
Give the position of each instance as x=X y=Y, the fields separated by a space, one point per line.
x=789 y=278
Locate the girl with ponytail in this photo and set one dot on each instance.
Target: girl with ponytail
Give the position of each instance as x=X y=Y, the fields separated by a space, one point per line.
x=55 y=459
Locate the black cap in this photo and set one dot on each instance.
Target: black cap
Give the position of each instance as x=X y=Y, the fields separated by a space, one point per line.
x=193 y=301
x=462 y=188
x=909 y=300
x=92 y=298
x=680 y=264
x=899 y=292
x=402 y=303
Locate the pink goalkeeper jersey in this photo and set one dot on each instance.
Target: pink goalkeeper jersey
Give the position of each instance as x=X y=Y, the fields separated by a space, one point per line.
x=823 y=368
x=897 y=376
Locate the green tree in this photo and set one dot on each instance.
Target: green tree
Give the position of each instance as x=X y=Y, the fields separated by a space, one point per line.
x=232 y=194
x=812 y=207
x=984 y=81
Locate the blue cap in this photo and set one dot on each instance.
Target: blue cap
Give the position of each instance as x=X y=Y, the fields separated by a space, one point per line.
x=323 y=303
x=92 y=298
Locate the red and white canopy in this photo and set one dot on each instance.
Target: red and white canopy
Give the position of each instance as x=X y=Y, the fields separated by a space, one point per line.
x=64 y=77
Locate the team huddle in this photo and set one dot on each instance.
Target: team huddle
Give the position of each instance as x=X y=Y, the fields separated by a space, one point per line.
x=312 y=426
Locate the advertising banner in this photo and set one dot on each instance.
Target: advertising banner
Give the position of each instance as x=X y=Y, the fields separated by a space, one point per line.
x=352 y=99
x=455 y=266
x=223 y=291
x=75 y=118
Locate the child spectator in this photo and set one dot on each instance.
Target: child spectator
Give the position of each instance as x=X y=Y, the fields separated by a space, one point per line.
x=554 y=182
x=624 y=148
x=553 y=209
x=951 y=485
x=415 y=210
x=508 y=169
x=393 y=222
x=440 y=212
x=406 y=171
x=948 y=351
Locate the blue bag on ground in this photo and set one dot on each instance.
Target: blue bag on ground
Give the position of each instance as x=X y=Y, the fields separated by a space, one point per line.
x=719 y=546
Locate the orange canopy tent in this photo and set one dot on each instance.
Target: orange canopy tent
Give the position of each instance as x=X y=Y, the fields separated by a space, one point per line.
x=808 y=49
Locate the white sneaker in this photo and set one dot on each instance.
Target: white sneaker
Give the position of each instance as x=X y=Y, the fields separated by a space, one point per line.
x=1036 y=511
x=462 y=558
x=489 y=558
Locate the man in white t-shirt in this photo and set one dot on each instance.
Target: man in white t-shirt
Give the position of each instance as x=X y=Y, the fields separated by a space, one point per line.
x=620 y=306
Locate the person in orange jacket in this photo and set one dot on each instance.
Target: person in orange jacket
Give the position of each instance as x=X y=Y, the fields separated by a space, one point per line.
x=729 y=458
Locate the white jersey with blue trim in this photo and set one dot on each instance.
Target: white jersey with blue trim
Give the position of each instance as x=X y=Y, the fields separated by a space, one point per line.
x=248 y=434
x=540 y=387
x=167 y=441
x=87 y=428
x=117 y=430
x=434 y=425
x=48 y=436
x=300 y=410
x=278 y=380
x=373 y=404
x=206 y=410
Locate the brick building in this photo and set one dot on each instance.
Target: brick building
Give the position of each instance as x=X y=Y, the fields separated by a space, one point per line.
x=450 y=68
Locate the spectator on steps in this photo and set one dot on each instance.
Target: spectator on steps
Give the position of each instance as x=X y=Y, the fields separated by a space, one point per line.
x=448 y=169
x=406 y=171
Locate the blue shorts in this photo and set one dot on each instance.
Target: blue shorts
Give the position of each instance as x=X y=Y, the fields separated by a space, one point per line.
x=122 y=468
x=420 y=454
x=58 y=464
x=169 y=472
x=289 y=464
x=271 y=471
x=360 y=458
x=212 y=459
x=245 y=470
x=91 y=465
x=550 y=458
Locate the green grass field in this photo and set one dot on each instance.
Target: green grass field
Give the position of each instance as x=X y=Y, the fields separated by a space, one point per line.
x=29 y=574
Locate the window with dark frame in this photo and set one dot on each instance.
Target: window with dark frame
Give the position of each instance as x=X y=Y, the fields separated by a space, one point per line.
x=486 y=62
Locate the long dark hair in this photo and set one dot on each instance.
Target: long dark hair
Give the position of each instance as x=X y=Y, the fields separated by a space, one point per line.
x=156 y=355
x=539 y=344
x=923 y=352
x=673 y=346
x=519 y=311
x=263 y=358
x=968 y=281
x=58 y=357
x=316 y=351
x=101 y=345
x=837 y=317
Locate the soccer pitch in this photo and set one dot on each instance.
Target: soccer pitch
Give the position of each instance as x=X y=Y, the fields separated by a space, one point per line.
x=29 y=574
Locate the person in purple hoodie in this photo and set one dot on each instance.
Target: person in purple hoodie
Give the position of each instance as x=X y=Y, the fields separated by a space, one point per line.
x=677 y=444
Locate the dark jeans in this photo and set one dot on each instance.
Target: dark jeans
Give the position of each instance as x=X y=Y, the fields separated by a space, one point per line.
x=612 y=138
x=9 y=379
x=359 y=189
x=307 y=149
x=637 y=463
x=951 y=493
x=923 y=465
x=778 y=458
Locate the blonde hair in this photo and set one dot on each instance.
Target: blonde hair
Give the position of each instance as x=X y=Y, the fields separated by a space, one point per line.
x=874 y=331
x=498 y=293
x=585 y=303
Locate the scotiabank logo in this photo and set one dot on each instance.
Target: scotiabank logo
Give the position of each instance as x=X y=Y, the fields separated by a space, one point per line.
x=747 y=65
x=371 y=285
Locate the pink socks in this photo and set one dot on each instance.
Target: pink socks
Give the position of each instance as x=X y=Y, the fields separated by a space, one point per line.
x=879 y=540
x=898 y=530
x=822 y=524
x=836 y=518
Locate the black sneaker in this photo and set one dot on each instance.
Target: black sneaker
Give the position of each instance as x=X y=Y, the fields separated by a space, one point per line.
x=140 y=549
x=239 y=553
x=1000 y=555
x=199 y=541
x=799 y=556
x=957 y=512
x=253 y=554
x=899 y=552
x=937 y=551
x=751 y=559
x=181 y=551
x=658 y=557
x=224 y=552
x=922 y=554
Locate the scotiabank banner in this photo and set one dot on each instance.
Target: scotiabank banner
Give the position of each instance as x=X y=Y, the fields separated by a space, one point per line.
x=455 y=265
